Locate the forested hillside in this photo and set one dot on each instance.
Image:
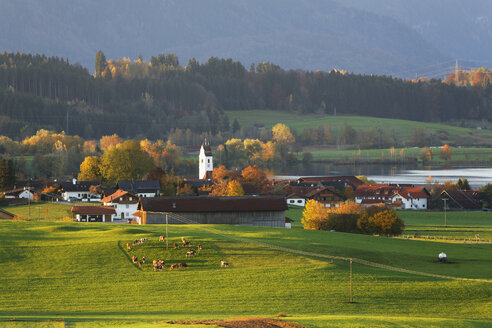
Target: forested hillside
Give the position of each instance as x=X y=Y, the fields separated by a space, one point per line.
x=148 y=99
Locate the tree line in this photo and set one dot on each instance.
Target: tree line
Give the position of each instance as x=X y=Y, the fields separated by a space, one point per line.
x=149 y=98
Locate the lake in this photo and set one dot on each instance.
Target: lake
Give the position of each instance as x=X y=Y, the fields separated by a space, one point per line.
x=477 y=176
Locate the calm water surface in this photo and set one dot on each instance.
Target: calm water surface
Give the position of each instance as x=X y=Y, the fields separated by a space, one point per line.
x=477 y=176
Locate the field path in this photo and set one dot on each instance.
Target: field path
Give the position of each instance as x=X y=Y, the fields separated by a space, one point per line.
x=326 y=256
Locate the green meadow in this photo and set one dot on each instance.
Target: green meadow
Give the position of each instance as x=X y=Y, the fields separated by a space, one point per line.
x=58 y=274
x=401 y=128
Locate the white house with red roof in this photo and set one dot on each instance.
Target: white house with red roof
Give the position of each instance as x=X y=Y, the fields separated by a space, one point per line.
x=412 y=198
x=125 y=204
x=406 y=197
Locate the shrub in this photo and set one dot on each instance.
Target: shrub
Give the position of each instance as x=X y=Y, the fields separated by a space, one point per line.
x=342 y=222
x=383 y=223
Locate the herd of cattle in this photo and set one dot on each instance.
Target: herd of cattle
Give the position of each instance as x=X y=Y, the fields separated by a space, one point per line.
x=159 y=264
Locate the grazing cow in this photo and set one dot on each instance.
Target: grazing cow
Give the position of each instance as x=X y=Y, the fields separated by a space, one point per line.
x=176 y=246
x=144 y=259
x=140 y=264
x=174 y=266
x=224 y=264
x=143 y=240
x=199 y=247
x=191 y=252
x=182 y=265
x=161 y=238
x=128 y=246
x=443 y=257
x=186 y=243
x=183 y=240
x=134 y=259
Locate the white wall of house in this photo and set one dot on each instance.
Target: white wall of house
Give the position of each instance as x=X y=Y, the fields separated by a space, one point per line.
x=75 y=194
x=411 y=203
x=147 y=194
x=26 y=194
x=296 y=201
x=126 y=209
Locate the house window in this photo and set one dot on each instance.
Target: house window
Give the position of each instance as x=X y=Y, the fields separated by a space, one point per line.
x=291 y=201
x=300 y=201
x=121 y=198
x=130 y=198
x=208 y=160
x=423 y=205
x=127 y=206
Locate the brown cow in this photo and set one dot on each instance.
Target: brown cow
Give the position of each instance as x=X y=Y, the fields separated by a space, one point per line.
x=191 y=252
x=182 y=265
x=183 y=240
x=134 y=259
x=139 y=264
x=161 y=238
x=199 y=247
x=176 y=246
x=224 y=264
x=128 y=246
x=186 y=243
x=174 y=266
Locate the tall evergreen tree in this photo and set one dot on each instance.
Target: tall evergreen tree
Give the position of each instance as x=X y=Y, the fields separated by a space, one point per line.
x=100 y=63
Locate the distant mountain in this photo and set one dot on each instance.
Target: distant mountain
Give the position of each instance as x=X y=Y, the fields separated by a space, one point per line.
x=459 y=29
x=398 y=37
x=305 y=34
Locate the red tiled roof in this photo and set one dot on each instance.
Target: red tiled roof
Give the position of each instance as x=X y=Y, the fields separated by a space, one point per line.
x=117 y=194
x=93 y=210
x=413 y=192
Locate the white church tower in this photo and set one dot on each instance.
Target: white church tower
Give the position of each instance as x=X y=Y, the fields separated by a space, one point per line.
x=205 y=161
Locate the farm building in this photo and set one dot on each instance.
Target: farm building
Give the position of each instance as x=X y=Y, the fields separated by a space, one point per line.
x=328 y=196
x=461 y=199
x=93 y=213
x=124 y=203
x=150 y=188
x=245 y=210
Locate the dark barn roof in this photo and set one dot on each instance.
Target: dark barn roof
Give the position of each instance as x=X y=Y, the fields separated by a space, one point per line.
x=213 y=204
x=93 y=210
x=139 y=186
x=79 y=186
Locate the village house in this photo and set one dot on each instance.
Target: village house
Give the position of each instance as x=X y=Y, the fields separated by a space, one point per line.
x=93 y=213
x=19 y=193
x=328 y=196
x=79 y=190
x=263 y=211
x=144 y=188
x=125 y=204
x=399 y=196
x=460 y=200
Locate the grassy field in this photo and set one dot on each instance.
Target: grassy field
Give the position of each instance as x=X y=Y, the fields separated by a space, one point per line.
x=43 y=210
x=58 y=274
x=301 y=122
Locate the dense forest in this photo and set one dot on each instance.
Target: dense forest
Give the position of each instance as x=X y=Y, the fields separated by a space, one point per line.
x=147 y=99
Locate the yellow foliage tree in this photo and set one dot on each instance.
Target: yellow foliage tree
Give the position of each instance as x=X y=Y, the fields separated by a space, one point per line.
x=282 y=134
x=108 y=142
x=347 y=207
x=234 y=188
x=90 y=169
x=446 y=153
x=314 y=215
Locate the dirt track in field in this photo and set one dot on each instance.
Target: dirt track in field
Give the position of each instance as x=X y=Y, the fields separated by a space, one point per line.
x=246 y=323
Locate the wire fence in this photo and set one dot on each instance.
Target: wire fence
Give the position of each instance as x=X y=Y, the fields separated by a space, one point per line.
x=210 y=229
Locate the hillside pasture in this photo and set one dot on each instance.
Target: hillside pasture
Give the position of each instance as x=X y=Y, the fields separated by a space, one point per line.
x=82 y=274
x=402 y=128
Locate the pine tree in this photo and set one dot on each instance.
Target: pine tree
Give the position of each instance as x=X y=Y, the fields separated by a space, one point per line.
x=100 y=64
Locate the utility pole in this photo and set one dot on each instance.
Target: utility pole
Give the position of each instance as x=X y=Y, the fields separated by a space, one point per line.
x=351 y=299
x=28 y=202
x=167 y=239
x=39 y=212
x=445 y=219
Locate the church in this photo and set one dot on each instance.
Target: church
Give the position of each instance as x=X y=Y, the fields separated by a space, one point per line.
x=205 y=162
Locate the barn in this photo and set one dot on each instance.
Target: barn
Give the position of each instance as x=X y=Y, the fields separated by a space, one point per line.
x=262 y=211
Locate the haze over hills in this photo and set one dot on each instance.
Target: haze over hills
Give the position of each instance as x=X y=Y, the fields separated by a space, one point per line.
x=396 y=37
x=309 y=34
